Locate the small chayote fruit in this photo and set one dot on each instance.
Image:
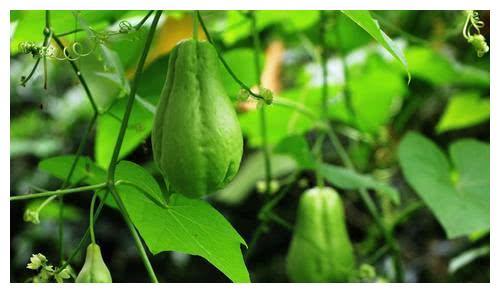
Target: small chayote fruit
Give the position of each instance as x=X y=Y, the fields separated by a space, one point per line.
x=94 y=269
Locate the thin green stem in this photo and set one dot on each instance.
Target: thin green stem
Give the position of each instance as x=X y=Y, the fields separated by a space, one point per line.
x=345 y=71
x=85 y=236
x=256 y=236
x=265 y=211
x=318 y=152
x=130 y=102
x=119 y=142
x=136 y=27
x=66 y=182
x=78 y=30
x=372 y=209
x=91 y=217
x=58 y=192
x=301 y=108
x=226 y=66
x=378 y=254
x=135 y=235
x=280 y=221
x=324 y=95
x=262 y=111
x=47 y=36
x=324 y=68
x=45 y=202
x=80 y=149
x=79 y=76
x=406 y=213
x=143 y=20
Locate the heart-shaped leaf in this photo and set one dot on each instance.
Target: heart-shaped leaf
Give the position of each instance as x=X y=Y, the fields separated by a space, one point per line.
x=184 y=225
x=459 y=196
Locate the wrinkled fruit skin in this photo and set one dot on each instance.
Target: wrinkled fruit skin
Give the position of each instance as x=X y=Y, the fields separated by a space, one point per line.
x=196 y=137
x=94 y=269
x=320 y=250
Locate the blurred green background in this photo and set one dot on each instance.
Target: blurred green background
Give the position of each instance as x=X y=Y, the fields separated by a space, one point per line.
x=447 y=99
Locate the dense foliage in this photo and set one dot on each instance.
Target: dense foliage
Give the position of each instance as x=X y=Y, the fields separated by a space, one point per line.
x=388 y=108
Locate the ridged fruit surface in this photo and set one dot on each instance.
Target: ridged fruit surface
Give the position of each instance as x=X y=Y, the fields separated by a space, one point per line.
x=320 y=250
x=94 y=269
x=196 y=137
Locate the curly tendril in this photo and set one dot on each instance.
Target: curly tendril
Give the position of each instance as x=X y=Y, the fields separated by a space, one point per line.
x=477 y=40
x=76 y=50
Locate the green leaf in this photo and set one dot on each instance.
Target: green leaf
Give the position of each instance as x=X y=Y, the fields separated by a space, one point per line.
x=251 y=171
x=108 y=126
x=376 y=92
x=185 y=225
x=104 y=75
x=459 y=197
x=86 y=171
x=347 y=35
x=464 y=110
x=434 y=67
x=347 y=179
x=364 y=19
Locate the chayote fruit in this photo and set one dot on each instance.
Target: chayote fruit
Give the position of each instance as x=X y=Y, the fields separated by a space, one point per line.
x=94 y=269
x=320 y=250
x=196 y=136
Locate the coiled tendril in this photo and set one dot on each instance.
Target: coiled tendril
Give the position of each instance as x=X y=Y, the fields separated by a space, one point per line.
x=476 y=39
x=76 y=50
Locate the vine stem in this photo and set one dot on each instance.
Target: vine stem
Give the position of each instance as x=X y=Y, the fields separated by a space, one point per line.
x=119 y=142
x=58 y=192
x=324 y=95
x=47 y=36
x=226 y=66
x=91 y=217
x=265 y=210
x=372 y=208
x=85 y=236
x=79 y=76
x=263 y=121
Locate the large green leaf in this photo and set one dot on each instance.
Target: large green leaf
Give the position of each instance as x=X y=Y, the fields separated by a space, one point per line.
x=184 y=225
x=364 y=19
x=464 y=110
x=457 y=194
x=108 y=125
